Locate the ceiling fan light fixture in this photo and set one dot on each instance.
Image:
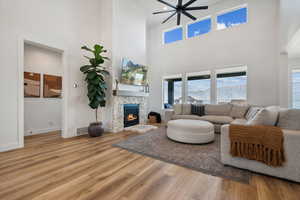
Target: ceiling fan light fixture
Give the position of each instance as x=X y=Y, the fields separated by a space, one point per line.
x=179 y=9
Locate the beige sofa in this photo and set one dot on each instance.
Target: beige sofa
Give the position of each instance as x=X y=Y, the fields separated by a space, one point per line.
x=218 y=115
x=289 y=121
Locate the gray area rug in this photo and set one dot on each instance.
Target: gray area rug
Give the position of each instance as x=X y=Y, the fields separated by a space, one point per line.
x=204 y=158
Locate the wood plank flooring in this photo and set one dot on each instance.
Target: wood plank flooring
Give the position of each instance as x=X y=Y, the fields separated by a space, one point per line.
x=50 y=167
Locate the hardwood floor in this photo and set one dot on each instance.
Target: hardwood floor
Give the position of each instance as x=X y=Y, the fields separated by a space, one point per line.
x=50 y=167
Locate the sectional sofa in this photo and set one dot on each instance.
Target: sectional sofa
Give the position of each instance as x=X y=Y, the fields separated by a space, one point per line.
x=218 y=115
x=223 y=115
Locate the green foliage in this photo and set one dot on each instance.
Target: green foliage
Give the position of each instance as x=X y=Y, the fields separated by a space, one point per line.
x=95 y=76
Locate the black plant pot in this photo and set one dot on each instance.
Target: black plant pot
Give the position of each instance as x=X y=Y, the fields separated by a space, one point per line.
x=96 y=129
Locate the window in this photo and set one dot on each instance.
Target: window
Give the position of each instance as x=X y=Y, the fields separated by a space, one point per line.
x=173 y=35
x=172 y=92
x=232 y=18
x=199 y=89
x=296 y=88
x=231 y=85
x=199 y=28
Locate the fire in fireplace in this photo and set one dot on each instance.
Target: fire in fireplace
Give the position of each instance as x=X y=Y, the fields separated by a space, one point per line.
x=131 y=115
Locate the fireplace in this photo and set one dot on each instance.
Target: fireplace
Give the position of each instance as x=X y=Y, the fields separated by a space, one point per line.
x=131 y=115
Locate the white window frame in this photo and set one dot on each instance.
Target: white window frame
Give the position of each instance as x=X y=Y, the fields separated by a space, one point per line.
x=230 y=10
x=163 y=88
x=291 y=86
x=238 y=68
x=192 y=74
x=170 y=29
x=194 y=22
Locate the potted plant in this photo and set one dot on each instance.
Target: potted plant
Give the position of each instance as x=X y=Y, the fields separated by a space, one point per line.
x=95 y=75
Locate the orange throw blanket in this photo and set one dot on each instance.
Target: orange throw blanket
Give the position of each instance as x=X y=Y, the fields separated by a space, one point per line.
x=260 y=143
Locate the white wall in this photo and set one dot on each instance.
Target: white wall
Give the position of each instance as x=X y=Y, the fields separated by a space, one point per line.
x=289 y=18
x=66 y=23
x=289 y=45
x=42 y=115
x=252 y=44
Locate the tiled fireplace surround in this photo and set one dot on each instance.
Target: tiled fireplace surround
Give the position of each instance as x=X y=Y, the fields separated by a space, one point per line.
x=118 y=110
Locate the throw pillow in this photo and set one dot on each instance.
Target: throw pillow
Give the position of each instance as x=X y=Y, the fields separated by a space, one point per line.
x=186 y=109
x=178 y=109
x=266 y=117
x=198 y=109
x=252 y=112
x=219 y=109
x=239 y=111
x=289 y=119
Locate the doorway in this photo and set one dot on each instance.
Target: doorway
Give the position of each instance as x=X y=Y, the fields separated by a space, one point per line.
x=42 y=89
x=43 y=75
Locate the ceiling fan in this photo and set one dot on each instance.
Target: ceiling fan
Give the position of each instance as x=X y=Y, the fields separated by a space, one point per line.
x=180 y=9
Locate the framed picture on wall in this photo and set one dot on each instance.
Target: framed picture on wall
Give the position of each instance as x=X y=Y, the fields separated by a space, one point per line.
x=32 y=85
x=52 y=86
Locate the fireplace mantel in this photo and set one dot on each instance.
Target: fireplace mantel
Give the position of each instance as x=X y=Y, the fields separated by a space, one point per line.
x=128 y=93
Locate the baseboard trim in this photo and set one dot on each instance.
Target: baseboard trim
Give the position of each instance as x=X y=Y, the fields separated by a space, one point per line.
x=11 y=146
x=41 y=131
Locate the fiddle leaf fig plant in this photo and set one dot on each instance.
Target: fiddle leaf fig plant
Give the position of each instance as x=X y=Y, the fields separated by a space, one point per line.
x=95 y=74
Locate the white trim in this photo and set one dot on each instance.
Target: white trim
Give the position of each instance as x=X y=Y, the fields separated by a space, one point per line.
x=20 y=127
x=42 y=131
x=231 y=10
x=171 y=29
x=196 y=21
x=172 y=76
x=192 y=74
x=231 y=69
x=54 y=46
x=11 y=146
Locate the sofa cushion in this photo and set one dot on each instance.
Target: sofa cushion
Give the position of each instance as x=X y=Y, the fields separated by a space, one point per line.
x=289 y=119
x=186 y=109
x=239 y=122
x=198 y=109
x=253 y=110
x=220 y=109
x=217 y=119
x=193 y=117
x=267 y=117
x=239 y=111
x=177 y=109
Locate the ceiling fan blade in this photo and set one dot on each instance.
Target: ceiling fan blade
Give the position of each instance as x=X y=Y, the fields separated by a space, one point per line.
x=179 y=3
x=166 y=3
x=197 y=8
x=189 y=3
x=188 y=15
x=178 y=18
x=169 y=18
x=167 y=11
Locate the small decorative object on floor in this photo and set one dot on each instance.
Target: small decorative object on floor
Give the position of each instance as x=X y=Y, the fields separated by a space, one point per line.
x=140 y=128
x=154 y=118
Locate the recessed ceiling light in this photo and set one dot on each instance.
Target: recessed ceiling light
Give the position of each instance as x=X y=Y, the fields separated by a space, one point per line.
x=165 y=8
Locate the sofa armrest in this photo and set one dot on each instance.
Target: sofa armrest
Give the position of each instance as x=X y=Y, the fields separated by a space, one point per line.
x=169 y=113
x=291 y=146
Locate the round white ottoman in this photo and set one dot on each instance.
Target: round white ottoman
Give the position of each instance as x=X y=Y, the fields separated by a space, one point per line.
x=191 y=131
